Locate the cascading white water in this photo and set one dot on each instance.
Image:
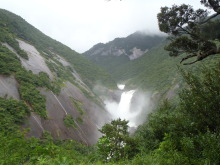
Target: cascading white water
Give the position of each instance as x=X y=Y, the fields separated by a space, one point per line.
x=121 y=86
x=124 y=104
x=135 y=113
x=122 y=109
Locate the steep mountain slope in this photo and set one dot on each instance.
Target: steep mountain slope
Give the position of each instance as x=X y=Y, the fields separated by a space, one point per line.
x=52 y=80
x=122 y=50
x=18 y=27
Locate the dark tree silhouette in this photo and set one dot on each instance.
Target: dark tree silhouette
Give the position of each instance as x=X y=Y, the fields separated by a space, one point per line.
x=185 y=27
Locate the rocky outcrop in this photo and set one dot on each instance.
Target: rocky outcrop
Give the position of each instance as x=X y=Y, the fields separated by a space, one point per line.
x=132 y=53
x=35 y=63
x=136 y=53
x=88 y=119
x=133 y=46
x=9 y=87
x=59 y=106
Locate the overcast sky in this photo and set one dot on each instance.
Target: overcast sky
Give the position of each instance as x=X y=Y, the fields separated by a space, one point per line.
x=80 y=24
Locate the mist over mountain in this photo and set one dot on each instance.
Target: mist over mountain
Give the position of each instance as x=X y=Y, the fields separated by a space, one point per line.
x=133 y=46
x=122 y=50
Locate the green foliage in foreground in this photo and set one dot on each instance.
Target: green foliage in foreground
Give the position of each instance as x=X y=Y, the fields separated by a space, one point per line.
x=16 y=149
x=187 y=133
x=115 y=144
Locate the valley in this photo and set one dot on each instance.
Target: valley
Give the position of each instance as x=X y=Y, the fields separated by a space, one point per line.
x=126 y=101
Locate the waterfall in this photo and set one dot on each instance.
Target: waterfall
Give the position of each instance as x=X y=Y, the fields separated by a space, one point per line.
x=122 y=109
x=121 y=86
x=135 y=113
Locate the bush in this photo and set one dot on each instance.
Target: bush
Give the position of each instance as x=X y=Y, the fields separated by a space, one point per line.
x=69 y=122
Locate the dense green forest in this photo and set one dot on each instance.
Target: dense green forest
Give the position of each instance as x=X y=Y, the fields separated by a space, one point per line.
x=185 y=132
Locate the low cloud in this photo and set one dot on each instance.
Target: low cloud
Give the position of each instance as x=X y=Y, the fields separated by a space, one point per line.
x=82 y=24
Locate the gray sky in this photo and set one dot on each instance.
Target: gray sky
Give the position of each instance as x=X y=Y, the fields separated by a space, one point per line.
x=80 y=24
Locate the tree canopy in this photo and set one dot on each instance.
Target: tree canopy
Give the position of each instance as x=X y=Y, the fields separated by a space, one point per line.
x=186 y=29
x=115 y=144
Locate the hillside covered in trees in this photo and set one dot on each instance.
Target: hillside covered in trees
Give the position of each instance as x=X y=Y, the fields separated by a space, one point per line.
x=120 y=51
x=49 y=113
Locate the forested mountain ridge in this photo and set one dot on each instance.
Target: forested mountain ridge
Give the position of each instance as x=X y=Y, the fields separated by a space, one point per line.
x=53 y=81
x=125 y=46
x=122 y=50
x=155 y=69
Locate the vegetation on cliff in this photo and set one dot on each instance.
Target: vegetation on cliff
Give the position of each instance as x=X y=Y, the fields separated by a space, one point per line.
x=13 y=26
x=184 y=132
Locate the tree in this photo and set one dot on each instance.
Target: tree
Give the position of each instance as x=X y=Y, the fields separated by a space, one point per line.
x=185 y=25
x=116 y=144
x=201 y=99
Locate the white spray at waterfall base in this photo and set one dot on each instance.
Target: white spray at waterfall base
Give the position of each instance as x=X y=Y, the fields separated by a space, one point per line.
x=129 y=108
x=121 y=86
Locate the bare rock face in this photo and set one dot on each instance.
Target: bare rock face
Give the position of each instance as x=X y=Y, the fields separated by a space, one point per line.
x=9 y=87
x=136 y=53
x=87 y=120
x=58 y=107
x=36 y=62
x=60 y=59
x=115 y=51
x=133 y=53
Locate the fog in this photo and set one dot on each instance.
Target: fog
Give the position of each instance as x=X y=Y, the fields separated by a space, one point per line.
x=133 y=106
x=81 y=24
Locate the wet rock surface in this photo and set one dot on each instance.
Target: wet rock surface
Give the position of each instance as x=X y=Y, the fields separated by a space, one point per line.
x=9 y=87
x=35 y=63
x=60 y=106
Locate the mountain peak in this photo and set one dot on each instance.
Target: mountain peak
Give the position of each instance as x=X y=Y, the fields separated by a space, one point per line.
x=132 y=46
